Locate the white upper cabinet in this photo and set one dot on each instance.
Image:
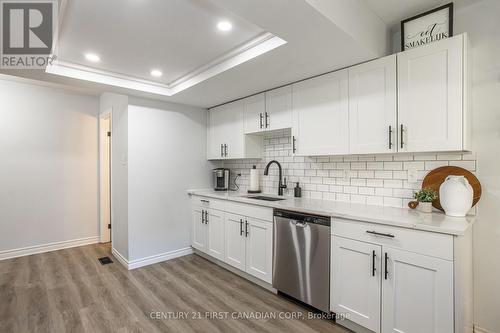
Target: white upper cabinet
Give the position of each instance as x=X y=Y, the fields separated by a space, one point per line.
x=321 y=115
x=372 y=107
x=431 y=98
x=226 y=137
x=255 y=113
x=278 y=113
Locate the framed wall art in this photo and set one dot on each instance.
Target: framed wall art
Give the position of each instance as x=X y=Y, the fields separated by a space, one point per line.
x=433 y=25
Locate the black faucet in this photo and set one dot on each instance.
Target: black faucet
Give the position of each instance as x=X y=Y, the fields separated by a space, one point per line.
x=281 y=185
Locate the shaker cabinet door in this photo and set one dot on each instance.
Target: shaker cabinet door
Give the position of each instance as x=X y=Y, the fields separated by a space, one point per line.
x=430 y=101
x=417 y=295
x=321 y=115
x=259 y=248
x=356 y=281
x=372 y=107
x=235 y=241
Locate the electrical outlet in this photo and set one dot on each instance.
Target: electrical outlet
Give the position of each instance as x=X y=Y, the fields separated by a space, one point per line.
x=412 y=175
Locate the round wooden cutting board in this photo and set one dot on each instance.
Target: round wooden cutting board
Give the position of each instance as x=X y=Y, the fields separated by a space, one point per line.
x=436 y=177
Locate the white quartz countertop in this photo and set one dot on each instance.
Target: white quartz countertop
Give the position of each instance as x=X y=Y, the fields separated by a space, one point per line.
x=400 y=217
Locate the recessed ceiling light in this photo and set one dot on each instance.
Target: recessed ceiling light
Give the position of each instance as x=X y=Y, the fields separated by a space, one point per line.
x=92 y=57
x=224 y=26
x=156 y=73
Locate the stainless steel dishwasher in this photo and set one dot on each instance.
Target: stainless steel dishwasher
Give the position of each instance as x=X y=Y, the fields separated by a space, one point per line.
x=301 y=257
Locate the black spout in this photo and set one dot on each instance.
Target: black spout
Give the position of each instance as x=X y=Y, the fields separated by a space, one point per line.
x=281 y=185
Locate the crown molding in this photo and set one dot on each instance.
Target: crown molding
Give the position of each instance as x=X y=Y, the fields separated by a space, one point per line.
x=250 y=50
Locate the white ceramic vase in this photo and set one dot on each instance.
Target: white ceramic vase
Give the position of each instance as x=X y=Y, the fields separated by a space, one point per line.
x=456 y=196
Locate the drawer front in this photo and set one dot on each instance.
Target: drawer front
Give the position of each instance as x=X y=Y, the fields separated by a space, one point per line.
x=422 y=242
x=206 y=202
x=256 y=212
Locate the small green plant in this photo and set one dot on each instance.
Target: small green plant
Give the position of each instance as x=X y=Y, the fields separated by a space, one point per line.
x=426 y=195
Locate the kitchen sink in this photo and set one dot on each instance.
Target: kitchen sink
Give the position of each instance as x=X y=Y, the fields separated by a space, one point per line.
x=262 y=197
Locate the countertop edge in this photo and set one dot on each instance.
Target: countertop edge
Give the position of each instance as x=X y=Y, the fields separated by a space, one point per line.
x=334 y=214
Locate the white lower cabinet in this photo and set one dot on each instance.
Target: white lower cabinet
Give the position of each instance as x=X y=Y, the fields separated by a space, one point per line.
x=214 y=220
x=259 y=247
x=356 y=277
x=198 y=229
x=237 y=234
x=207 y=233
x=417 y=293
x=383 y=279
x=235 y=241
x=249 y=245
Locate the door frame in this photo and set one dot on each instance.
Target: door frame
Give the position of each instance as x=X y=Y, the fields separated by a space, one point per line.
x=105 y=160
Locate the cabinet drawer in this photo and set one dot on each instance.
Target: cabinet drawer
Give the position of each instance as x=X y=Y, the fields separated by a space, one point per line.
x=206 y=202
x=257 y=212
x=423 y=242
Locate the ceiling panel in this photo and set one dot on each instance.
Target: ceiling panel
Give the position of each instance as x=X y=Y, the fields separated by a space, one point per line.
x=132 y=37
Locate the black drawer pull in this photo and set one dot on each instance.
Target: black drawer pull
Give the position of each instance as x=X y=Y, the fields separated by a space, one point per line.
x=386 y=269
x=373 y=263
x=379 y=233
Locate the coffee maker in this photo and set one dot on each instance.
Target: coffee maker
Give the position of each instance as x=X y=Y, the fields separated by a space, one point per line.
x=221 y=179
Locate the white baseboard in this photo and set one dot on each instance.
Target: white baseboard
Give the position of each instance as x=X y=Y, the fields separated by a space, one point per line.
x=132 y=264
x=478 y=329
x=29 y=250
x=120 y=257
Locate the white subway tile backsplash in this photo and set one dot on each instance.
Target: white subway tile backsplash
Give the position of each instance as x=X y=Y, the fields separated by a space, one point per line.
x=383 y=174
x=375 y=166
x=393 y=165
x=431 y=165
x=371 y=179
x=468 y=165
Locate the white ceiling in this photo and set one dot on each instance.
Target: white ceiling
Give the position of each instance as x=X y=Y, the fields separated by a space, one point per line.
x=179 y=36
x=132 y=37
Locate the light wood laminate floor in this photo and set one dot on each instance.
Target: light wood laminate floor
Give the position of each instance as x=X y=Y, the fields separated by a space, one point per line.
x=70 y=291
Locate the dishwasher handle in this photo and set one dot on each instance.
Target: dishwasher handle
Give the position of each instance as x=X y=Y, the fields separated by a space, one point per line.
x=301 y=218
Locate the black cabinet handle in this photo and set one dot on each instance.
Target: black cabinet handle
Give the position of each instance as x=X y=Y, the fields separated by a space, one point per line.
x=379 y=233
x=203 y=216
x=225 y=150
x=386 y=269
x=402 y=131
x=221 y=150
x=203 y=200
x=206 y=217
x=267 y=117
x=373 y=263
x=241 y=227
x=390 y=137
x=293 y=144
x=261 y=118
x=246 y=228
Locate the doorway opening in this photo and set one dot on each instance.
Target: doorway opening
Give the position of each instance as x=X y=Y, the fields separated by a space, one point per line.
x=105 y=177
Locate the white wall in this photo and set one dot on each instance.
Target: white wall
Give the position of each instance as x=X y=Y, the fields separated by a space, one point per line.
x=481 y=21
x=48 y=165
x=118 y=106
x=167 y=156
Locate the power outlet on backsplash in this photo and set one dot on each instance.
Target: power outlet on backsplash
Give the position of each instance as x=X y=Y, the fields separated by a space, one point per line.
x=384 y=180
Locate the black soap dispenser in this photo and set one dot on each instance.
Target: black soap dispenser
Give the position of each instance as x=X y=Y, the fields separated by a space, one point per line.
x=297 y=191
